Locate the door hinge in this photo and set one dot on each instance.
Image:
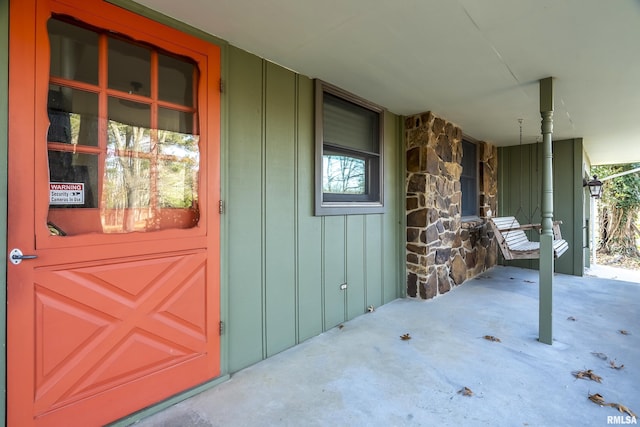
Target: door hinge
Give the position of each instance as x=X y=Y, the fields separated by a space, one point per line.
x=221 y=328
x=221 y=86
x=221 y=206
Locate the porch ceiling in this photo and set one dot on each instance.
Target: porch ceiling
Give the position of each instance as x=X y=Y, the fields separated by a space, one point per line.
x=476 y=64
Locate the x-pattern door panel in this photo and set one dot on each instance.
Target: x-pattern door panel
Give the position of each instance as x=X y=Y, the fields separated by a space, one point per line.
x=128 y=319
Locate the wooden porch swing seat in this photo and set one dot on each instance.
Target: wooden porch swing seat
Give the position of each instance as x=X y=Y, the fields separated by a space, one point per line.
x=514 y=243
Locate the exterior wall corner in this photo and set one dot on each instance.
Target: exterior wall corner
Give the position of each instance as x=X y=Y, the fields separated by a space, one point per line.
x=443 y=249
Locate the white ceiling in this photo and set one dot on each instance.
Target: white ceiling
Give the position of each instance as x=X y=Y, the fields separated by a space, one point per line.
x=475 y=63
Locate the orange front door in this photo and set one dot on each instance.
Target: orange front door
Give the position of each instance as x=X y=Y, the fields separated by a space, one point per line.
x=113 y=189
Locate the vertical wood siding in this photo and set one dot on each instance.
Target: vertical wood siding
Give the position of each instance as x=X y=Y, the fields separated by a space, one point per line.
x=286 y=265
x=519 y=182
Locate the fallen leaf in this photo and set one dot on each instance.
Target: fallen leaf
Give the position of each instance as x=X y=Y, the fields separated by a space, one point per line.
x=597 y=398
x=340 y=326
x=371 y=309
x=600 y=355
x=491 y=338
x=588 y=374
x=624 y=332
x=613 y=365
x=405 y=337
x=622 y=409
x=465 y=391
x=573 y=319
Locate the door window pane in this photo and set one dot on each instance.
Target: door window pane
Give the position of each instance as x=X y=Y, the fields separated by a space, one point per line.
x=129 y=125
x=73 y=116
x=74 y=52
x=73 y=168
x=176 y=79
x=128 y=167
x=178 y=169
x=129 y=67
x=127 y=182
x=177 y=121
x=177 y=184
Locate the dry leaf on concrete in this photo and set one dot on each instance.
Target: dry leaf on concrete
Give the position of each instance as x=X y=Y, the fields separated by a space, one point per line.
x=612 y=364
x=405 y=337
x=371 y=309
x=465 y=391
x=491 y=338
x=588 y=374
x=622 y=409
x=597 y=398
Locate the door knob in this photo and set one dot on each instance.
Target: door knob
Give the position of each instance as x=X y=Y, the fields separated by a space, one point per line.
x=16 y=256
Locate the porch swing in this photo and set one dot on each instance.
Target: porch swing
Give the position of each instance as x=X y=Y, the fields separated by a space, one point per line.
x=511 y=237
x=514 y=243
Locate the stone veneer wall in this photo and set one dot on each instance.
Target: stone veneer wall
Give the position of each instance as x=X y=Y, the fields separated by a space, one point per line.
x=442 y=250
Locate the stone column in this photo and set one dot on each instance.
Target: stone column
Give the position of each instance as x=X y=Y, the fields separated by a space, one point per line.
x=442 y=251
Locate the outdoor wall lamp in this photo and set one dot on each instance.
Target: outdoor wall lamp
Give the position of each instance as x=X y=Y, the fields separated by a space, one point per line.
x=595 y=186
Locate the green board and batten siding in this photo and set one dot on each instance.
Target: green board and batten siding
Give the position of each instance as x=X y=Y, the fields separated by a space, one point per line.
x=285 y=266
x=519 y=181
x=569 y=202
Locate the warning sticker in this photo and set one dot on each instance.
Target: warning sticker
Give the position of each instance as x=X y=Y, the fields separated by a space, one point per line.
x=66 y=193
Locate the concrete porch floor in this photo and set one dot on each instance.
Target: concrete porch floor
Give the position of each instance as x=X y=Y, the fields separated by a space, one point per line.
x=363 y=374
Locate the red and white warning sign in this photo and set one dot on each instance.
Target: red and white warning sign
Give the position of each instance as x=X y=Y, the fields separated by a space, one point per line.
x=66 y=193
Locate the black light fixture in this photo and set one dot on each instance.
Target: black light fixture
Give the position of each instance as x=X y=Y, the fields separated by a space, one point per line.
x=595 y=186
x=135 y=90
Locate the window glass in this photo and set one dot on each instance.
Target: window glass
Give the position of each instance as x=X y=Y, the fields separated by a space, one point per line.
x=350 y=125
x=73 y=116
x=178 y=169
x=343 y=174
x=73 y=168
x=349 y=153
x=74 y=52
x=127 y=172
x=177 y=121
x=131 y=160
x=129 y=67
x=469 y=179
x=127 y=182
x=176 y=78
x=129 y=125
x=177 y=183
